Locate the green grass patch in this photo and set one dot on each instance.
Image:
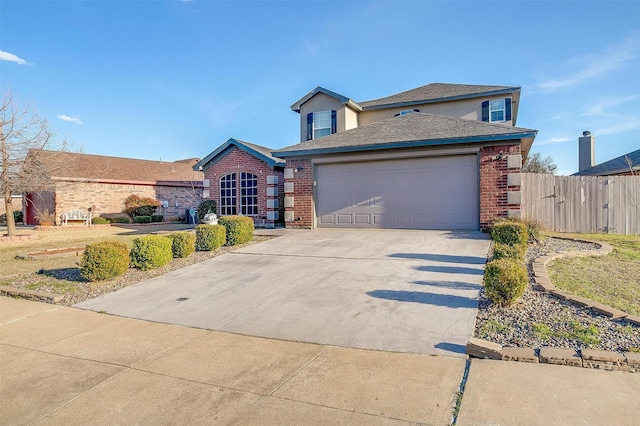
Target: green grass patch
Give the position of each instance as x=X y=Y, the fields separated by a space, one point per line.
x=542 y=331
x=613 y=280
x=492 y=326
x=57 y=286
x=5 y=282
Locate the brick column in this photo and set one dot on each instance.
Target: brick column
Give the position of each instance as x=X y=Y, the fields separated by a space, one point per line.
x=298 y=194
x=499 y=185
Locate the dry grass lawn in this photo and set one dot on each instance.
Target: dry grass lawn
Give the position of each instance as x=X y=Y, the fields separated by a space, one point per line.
x=613 y=280
x=66 y=237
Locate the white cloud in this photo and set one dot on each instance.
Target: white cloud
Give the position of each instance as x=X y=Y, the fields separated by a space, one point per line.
x=601 y=109
x=64 y=117
x=593 y=65
x=552 y=141
x=619 y=127
x=6 y=56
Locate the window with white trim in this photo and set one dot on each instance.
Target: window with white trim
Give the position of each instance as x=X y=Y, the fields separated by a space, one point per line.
x=228 y=194
x=248 y=194
x=496 y=110
x=321 y=123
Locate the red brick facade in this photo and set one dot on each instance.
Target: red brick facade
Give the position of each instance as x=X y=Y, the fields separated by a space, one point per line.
x=237 y=161
x=301 y=214
x=493 y=182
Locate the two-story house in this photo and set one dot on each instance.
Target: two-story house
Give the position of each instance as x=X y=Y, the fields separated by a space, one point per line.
x=441 y=156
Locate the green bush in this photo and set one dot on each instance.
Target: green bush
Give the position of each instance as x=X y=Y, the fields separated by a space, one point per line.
x=17 y=216
x=104 y=260
x=183 y=243
x=505 y=251
x=151 y=251
x=210 y=237
x=534 y=228
x=120 y=219
x=142 y=219
x=509 y=232
x=207 y=206
x=505 y=281
x=239 y=229
x=157 y=218
x=100 y=220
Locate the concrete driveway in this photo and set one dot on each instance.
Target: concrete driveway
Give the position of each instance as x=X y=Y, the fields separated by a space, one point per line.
x=393 y=290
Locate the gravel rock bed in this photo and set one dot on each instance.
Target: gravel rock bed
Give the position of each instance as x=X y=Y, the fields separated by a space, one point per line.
x=68 y=281
x=540 y=319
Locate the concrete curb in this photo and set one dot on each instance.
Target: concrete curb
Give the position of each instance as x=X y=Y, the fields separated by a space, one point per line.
x=586 y=358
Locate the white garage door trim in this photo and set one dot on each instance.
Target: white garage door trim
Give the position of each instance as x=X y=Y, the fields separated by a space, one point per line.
x=417 y=193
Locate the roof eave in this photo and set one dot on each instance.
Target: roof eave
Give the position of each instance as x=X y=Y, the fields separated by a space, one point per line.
x=343 y=99
x=406 y=144
x=203 y=164
x=445 y=99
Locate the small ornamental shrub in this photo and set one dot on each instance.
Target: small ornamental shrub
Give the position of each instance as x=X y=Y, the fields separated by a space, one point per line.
x=120 y=219
x=184 y=243
x=100 y=220
x=17 y=217
x=502 y=251
x=135 y=205
x=505 y=281
x=157 y=218
x=142 y=219
x=210 y=237
x=534 y=228
x=207 y=206
x=239 y=229
x=104 y=260
x=509 y=232
x=151 y=251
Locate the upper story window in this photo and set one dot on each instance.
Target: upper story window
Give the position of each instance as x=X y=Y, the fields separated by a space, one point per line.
x=321 y=123
x=496 y=110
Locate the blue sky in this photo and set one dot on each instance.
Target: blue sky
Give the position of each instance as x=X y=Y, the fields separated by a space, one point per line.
x=175 y=79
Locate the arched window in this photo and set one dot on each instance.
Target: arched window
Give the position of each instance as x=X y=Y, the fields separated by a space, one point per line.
x=228 y=194
x=248 y=194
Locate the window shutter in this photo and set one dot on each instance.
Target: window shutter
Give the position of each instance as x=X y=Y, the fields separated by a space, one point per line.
x=485 y=111
x=334 y=121
x=309 y=126
x=507 y=107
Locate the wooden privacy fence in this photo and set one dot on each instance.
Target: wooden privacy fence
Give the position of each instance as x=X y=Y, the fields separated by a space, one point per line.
x=583 y=204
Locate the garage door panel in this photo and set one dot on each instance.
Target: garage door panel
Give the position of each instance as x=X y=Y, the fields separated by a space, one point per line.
x=425 y=193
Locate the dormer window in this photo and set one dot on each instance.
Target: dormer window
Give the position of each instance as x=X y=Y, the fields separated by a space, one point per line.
x=321 y=123
x=496 y=110
x=406 y=111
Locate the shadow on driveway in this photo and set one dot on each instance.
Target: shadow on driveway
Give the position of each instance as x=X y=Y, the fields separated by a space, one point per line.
x=450 y=270
x=472 y=260
x=455 y=285
x=446 y=300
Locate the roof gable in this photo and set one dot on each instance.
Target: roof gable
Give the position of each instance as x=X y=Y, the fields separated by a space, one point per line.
x=615 y=166
x=260 y=152
x=78 y=166
x=436 y=92
x=416 y=129
x=343 y=99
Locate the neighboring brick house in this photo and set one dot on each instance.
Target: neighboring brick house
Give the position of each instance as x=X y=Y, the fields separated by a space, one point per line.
x=83 y=180
x=244 y=178
x=442 y=156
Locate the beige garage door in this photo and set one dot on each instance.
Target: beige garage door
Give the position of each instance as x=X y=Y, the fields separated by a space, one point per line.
x=417 y=193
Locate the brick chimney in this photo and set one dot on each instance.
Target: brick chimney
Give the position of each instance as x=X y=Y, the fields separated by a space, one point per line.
x=586 y=151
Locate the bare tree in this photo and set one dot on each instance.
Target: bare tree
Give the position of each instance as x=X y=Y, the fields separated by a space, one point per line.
x=536 y=164
x=23 y=134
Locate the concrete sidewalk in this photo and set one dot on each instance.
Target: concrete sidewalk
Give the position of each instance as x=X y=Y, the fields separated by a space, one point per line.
x=69 y=366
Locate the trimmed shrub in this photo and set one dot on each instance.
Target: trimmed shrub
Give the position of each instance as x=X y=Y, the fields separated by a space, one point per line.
x=151 y=251
x=104 y=260
x=509 y=232
x=534 y=228
x=157 y=218
x=239 y=229
x=135 y=205
x=183 y=243
x=17 y=217
x=505 y=251
x=207 y=206
x=142 y=219
x=505 y=281
x=100 y=220
x=120 y=219
x=210 y=237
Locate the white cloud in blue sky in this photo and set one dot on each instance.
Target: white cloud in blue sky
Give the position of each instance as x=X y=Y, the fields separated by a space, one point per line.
x=10 y=57
x=64 y=117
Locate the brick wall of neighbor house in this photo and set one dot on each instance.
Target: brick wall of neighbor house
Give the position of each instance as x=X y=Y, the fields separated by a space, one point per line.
x=300 y=215
x=239 y=161
x=109 y=197
x=494 y=186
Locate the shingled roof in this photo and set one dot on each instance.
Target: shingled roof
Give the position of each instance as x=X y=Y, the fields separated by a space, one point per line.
x=615 y=166
x=436 y=92
x=416 y=129
x=77 y=166
x=257 y=151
